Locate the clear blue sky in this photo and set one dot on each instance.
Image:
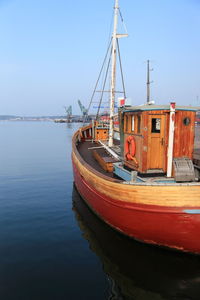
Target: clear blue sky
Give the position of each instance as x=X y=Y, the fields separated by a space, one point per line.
x=51 y=52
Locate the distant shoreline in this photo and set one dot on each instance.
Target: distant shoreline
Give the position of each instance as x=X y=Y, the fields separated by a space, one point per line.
x=57 y=119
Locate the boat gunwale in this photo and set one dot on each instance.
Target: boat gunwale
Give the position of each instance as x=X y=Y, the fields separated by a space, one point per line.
x=75 y=150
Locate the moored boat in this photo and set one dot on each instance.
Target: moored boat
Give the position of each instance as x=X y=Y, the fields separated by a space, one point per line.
x=145 y=185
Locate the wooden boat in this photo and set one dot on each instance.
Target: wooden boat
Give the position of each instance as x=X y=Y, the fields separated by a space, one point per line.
x=145 y=185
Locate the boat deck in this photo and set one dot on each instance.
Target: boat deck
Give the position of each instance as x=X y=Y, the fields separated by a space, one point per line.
x=86 y=148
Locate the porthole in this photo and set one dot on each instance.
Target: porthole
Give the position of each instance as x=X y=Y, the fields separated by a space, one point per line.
x=186 y=121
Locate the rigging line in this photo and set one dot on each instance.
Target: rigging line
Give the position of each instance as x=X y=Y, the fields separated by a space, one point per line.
x=110 y=30
x=123 y=21
x=99 y=76
x=109 y=37
x=105 y=80
x=121 y=15
x=120 y=63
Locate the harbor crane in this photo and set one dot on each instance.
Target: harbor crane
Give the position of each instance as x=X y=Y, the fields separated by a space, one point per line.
x=69 y=113
x=83 y=110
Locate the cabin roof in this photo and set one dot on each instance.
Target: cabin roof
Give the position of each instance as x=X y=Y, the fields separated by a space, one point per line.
x=147 y=107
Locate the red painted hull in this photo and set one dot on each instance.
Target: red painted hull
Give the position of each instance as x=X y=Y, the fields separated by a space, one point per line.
x=163 y=226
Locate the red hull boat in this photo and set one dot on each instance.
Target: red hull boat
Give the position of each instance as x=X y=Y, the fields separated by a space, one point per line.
x=169 y=226
x=145 y=185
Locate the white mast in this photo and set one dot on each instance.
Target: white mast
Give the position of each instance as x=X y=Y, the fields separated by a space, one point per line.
x=113 y=74
x=115 y=36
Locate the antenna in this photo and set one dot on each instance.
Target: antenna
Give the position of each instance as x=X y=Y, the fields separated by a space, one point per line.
x=148 y=81
x=197 y=100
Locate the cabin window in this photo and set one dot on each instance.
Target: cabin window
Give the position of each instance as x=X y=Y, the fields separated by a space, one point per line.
x=138 y=124
x=133 y=124
x=126 y=123
x=155 y=125
x=186 y=121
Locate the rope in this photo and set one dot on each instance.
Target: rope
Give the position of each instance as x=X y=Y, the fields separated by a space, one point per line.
x=120 y=63
x=105 y=80
x=99 y=76
x=123 y=21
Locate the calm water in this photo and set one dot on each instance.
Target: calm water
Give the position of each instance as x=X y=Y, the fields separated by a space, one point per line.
x=53 y=247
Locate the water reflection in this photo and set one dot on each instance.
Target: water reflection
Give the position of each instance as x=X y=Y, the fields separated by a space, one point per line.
x=69 y=125
x=138 y=271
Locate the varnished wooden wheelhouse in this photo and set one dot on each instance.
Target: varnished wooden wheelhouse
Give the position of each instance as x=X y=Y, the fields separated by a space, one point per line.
x=149 y=125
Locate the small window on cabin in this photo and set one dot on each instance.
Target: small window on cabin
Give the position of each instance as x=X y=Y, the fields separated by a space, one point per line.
x=155 y=125
x=126 y=128
x=138 y=124
x=186 y=121
x=133 y=124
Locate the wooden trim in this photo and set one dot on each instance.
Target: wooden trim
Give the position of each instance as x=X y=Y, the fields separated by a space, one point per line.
x=169 y=196
x=163 y=195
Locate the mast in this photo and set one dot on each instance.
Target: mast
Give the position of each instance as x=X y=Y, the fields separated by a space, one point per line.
x=113 y=74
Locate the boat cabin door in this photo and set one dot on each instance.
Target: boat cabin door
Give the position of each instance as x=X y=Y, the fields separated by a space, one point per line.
x=156 y=142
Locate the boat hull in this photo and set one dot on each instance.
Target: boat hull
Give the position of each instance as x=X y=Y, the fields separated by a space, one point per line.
x=148 y=219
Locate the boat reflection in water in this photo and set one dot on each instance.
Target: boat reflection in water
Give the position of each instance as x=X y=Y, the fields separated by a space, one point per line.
x=135 y=270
